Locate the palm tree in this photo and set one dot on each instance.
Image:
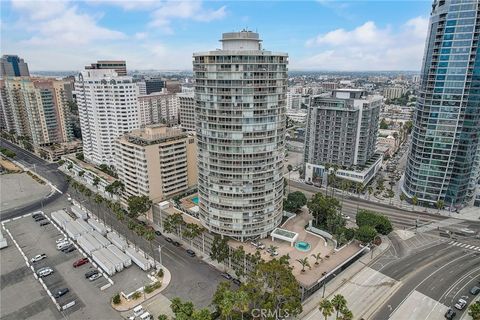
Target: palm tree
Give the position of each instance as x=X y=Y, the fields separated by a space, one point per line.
x=414 y=202
x=327 y=170
x=326 y=308
x=150 y=236
x=440 y=204
x=317 y=256
x=346 y=314
x=242 y=302
x=370 y=191
x=272 y=249
x=304 y=262
x=403 y=197
x=339 y=303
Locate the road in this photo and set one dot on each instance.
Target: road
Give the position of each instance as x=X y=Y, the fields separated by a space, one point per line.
x=46 y=170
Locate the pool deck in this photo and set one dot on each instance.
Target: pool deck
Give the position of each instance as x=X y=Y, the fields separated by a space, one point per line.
x=187 y=202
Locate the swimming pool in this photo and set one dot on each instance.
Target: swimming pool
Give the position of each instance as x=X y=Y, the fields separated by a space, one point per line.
x=195 y=200
x=302 y=246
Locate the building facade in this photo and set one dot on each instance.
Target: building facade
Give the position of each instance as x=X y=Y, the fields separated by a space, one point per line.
x=393 y=92
x=120 y=66
x=107 y=105
x=158 y=108
x=240 y=93
x=13 y=66
x=443 y=157
x=156 y=161
x=36 y=108
x=186 y=110
x=342 y=129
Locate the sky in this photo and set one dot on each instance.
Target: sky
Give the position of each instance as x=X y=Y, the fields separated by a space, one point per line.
x=320 y=35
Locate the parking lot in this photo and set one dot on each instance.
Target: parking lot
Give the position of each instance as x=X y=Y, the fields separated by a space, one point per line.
x=33 y=240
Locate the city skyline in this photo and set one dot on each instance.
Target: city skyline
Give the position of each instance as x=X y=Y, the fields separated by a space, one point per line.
x=319 y=35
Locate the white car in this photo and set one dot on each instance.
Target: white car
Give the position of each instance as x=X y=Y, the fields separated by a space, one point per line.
x=94 y=277
x=61 y=240
x=38 y=257
x=460 y=304
x=466 y=230
x=62 y=245
x=44 y=272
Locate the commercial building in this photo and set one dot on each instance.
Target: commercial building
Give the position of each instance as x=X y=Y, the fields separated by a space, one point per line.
x=342 y=130
x=36 y=108
x=158 y=108
x=443 y=161
x=13 y=66
x=107 y=105
x=151 y=85
x=186 y=107
x=120 y=66
x=240 y=91
x=156 y=161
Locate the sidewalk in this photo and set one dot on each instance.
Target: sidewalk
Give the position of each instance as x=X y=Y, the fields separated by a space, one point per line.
x=334 y=285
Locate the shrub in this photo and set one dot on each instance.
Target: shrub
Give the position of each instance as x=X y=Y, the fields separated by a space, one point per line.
x=136 y=295
x=160 y=273
x=162 y=317
x=349 y=233
x=116 y=298
x=156 y=285
x=148 y=289
x=7 y=152
x=365 y=234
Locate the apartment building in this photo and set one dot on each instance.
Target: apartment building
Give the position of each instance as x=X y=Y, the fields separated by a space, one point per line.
x=240 y=91
x=108 y=108
x=13 y=66
x=36 y=108
x=393 y=92
x=159 y=107
x=156 y=161
x=342 y=129
x=186 y=108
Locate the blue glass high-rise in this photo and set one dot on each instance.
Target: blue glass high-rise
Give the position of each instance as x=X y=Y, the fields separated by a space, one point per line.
x=443 y=160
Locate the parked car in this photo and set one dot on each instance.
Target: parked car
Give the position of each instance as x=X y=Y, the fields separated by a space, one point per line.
x=44 y=272
x=237 y=282
x=36 y=215
x=191 y=253
x=226 y=276
x=40 y=218
x=94 y=277
x=475 y=290
x=450 y=314
x=80 y=262
x=158 y=233
x=60 y=292
x=38 y=257
x=69 y=249
x=176 y=244
x=65 y=239
x=460 y=304
x=168 y=239
x=90 y=273
x=44 y=223
x=62 y=245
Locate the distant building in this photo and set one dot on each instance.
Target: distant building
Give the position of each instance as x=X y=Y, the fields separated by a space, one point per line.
x=329 y=86
x=393 y=92
x=294 y=101
x=155 y=85
x=156 y=161
x=186 y=112
x=342 y=130
x=36 y=108
x=107 y=105
x=120 y=66
x=173 y=86
x=158 y=108
x=13 y=66
x=299 y=116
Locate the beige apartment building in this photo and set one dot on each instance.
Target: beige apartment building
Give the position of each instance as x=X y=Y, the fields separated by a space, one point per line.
x=156 y=161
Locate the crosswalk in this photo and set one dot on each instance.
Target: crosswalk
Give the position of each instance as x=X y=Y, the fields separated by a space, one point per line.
x=464 y=246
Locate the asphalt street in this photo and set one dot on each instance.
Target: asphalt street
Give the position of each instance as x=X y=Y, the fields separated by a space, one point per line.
x=46 y=170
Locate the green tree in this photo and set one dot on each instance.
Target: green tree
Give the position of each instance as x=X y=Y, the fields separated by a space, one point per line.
x=182 y=310
x=79 y=156
x=326 y=308
x=365 y=234
x=172 y=222
x=339 y=303
x=220 y=250
x=116 y=187
x=304 y=262
x=317 y=256
x=162 y=317
x=346 y=314
x=440 y=204
x=383 y=124
x=322 y=206
x=150 y=236
x=414 y=202
x=376 y=220
x=294 y=201
x=474 y=310
x=96 y=180
x=370 y=191
x=138 y=205
x=403 y=197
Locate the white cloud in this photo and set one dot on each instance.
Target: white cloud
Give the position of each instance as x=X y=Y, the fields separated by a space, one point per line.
x=368 y=47
x=193 y=10
x=39 y=10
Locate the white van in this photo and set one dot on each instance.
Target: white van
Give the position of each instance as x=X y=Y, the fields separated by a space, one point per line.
x=146 y=316
x=138 y=310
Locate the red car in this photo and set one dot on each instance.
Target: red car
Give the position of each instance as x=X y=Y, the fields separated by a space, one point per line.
x=80 y=262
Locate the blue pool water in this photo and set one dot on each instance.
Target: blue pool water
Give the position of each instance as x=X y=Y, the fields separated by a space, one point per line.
x=195 y=200
x=302 y=246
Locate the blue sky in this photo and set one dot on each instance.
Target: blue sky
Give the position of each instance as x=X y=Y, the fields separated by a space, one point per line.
x=317 y=35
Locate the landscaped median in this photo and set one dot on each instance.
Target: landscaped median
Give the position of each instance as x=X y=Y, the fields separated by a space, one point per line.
x=126 y=301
